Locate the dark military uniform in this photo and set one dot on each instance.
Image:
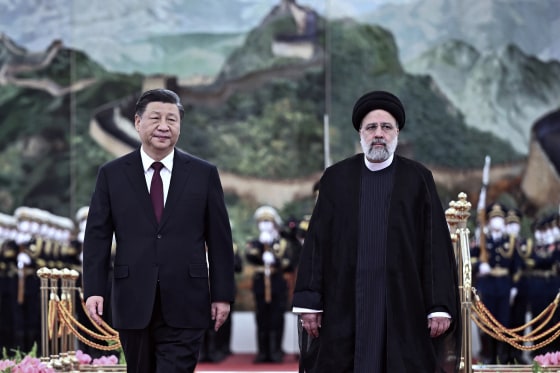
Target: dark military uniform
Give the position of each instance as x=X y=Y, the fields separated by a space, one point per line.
x=495 y=283
x=270 y=312
x=270 y=288
x=542 y=278
x=27 y=320
x=520 y=305
x=8 y=290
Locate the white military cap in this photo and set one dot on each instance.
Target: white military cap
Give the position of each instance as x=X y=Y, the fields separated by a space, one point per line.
x=267 y=213
x=82 y=213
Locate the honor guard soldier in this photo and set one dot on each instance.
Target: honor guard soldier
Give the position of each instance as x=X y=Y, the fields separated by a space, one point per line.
x=271 y=256
x=42 y=245
x=8 y=281
x=52 y=242
x=27 y=322
x=520 y=306
x=496 y=265
x=542 y=275
x=81 y=220
x=69 y=253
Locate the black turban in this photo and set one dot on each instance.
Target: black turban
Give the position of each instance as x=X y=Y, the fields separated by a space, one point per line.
x=378 y=100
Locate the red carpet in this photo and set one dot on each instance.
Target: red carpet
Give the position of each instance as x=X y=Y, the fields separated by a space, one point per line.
x=241 y=363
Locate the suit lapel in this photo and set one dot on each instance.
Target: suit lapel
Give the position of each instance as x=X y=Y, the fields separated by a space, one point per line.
x=179 y=176
x=135 y=173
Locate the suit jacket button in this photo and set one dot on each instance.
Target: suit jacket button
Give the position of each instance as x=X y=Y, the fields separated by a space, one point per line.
x=159 y=236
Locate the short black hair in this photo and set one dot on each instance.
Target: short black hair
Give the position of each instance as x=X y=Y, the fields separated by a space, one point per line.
x=158 y=95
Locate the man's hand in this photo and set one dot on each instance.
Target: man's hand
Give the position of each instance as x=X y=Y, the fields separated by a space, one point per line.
x=94 y=306
x=268 y=258
x=311 y=322
x=220 y=312
x=438 y=325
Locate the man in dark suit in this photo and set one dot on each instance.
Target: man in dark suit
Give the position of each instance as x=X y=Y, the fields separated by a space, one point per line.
x=167 y=288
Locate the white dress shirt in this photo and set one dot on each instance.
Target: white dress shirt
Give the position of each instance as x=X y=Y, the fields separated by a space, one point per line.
x=165 y=172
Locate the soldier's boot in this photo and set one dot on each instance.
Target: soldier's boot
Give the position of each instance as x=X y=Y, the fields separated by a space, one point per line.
x=502 y=352
x=19 y=340
x=33 y=340
x=262 y=345
x=276 y=354
x=493 y=351
x=486 y=353
x=516 y=356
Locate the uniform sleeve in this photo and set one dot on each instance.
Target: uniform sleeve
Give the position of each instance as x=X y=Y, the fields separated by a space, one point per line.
x=220 y=243
x=98 y=240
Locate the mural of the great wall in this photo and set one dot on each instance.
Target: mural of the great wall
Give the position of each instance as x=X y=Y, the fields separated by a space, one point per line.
x=262 y=81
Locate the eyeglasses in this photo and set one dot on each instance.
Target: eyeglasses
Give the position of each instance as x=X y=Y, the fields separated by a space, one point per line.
x=372 y=127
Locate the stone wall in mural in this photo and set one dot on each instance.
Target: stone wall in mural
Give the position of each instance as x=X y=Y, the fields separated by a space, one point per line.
x=260 y=81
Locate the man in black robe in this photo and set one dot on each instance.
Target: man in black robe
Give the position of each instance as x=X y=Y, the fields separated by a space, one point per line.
x=377 y=287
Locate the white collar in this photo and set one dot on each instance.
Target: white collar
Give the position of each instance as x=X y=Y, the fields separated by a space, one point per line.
x=378 y=166
x=147 y=160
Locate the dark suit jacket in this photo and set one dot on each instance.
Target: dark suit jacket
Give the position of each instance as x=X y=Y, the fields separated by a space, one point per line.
x=172 y=252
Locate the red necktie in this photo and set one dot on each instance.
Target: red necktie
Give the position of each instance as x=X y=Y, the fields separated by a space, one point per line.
x=156 y=190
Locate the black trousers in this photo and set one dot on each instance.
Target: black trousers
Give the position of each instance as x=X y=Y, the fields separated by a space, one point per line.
x=160 y=348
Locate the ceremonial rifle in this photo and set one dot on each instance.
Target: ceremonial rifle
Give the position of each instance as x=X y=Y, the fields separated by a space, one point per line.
x=481 y=210
x=267 y=272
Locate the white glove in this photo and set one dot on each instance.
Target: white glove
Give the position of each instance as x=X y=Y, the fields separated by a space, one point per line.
x=268 y=258
x=23 y=259
x=266 y=238
x=512 y=295
x=80 y=236
x=22 y=238
x=484 y=269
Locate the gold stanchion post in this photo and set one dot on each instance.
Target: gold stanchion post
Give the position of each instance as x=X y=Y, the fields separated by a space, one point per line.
x=457 y=216
x=72 y=340
x=44 y=275
x=53 y=319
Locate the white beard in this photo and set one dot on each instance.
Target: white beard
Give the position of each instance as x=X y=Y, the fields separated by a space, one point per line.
x=374 y=154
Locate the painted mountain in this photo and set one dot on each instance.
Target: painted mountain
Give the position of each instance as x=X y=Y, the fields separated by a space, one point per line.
x=502 y=92
x=420 y=25
x=261 y=119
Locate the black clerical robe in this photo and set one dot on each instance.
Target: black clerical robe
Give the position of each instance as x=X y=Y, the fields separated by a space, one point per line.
x=421 y=272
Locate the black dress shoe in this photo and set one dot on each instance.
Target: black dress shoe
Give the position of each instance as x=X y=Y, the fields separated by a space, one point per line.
x=261 y=358
x=216 y=357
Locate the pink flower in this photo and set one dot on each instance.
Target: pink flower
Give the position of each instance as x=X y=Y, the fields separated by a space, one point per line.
x=31 y=365
x=550 y=358
x=106 y=360
x=82 y=357
x=34 y=365
x=5 y=364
